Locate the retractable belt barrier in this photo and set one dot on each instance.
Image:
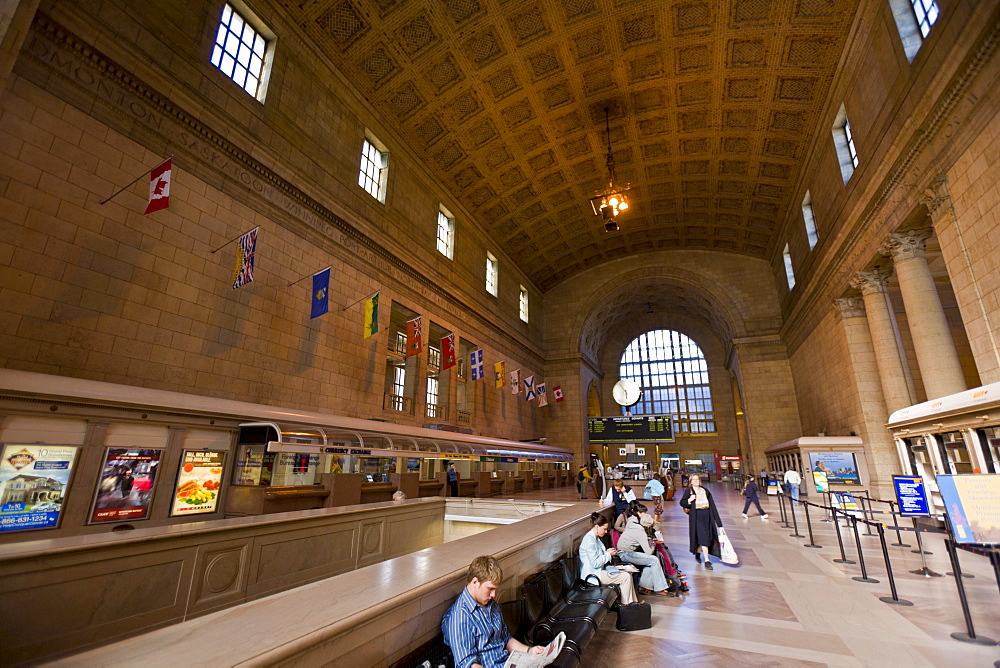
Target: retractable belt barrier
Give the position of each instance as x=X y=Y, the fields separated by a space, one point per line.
x=992 y=553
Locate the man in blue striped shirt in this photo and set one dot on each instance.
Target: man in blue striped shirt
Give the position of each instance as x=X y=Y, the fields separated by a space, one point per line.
x=473 y=626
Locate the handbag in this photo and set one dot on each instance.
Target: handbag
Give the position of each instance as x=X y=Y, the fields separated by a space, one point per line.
x=634 y=617
x=726 y=548
x=687 y=510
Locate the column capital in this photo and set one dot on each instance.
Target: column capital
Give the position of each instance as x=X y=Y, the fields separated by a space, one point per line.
x=906 y=245
x=936 y=197
x=871 y=282
x=849 y=307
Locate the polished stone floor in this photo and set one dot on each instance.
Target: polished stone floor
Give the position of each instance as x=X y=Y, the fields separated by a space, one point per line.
x=789 y=605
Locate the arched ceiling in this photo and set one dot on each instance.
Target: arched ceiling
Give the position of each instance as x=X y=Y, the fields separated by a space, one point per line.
x=712 y=108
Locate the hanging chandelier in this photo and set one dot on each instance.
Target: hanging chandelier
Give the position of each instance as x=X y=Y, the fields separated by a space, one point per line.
x=613 y=200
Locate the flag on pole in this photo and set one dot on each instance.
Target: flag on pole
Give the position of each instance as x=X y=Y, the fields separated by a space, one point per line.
x=515 y=381
x=246 y=249
x=476 y=364
x=557 y=393
x=371 y=315
x=529 y=388
x=448 y=352
x=543 y=400
x=414 y=337
x=159 y=187
x=499 y=377
x=320 y=293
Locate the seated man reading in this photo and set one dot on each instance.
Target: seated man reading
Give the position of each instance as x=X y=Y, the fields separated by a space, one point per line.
x=473 y=626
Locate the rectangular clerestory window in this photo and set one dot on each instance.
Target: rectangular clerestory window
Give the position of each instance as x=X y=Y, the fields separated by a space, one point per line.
x=522 y=303
x=809 y=220
x=789 y=272
x=242 y=50
x=374 y=168
x=843 y=143
x=446 y=233
x=492 y=274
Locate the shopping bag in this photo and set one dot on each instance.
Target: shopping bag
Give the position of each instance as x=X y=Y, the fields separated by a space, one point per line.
x=726 y=547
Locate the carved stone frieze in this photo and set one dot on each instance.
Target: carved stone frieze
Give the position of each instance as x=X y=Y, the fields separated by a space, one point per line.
x=872 y=281
x=906 y=245
x=936 y=197
x=849 y=307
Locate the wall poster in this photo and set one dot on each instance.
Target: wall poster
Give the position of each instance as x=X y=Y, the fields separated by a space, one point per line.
x=198 y=482
x=840 y=467
x=126 y=486
x=970 y=500
x=33 y=482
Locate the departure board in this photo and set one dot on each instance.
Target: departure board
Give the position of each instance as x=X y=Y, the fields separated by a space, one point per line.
x=630 y=429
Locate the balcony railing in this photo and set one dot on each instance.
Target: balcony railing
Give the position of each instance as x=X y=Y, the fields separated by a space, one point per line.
x=397 y=344
x=395 y=402
x=433 y=358
x=463 y=417
x=437 y=411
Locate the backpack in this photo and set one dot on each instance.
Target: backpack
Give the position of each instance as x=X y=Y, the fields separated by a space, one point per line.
x=579 y=476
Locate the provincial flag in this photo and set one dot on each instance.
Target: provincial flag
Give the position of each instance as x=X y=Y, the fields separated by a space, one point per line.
x=557 y=393
x=515 y=381
x=529 y=388
x=246 y=249
x=320 y=293
x=476 y=364
x=159 y=187
x=371 y=315
x=543 y=399
x=499 y=377
x=448 y=359
x=414 y=337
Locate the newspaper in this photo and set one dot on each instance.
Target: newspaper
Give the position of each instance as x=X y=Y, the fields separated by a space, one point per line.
x=526 y=660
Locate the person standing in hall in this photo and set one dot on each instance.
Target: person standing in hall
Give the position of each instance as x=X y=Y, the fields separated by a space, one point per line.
x=585 y=480
x=703 y=521
x=473 y=626
x=792 y=482
x=452 y=480
x=750 y=491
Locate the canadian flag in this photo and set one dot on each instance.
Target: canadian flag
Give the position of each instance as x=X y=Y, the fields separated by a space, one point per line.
x=159 y=187
x=557 y=393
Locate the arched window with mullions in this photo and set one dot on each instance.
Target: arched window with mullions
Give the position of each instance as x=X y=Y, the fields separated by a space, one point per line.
x=672 y=372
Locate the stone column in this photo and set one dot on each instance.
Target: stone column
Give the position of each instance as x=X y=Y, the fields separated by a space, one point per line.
x=894 y=375
x=883 y=459
x=15 y=21
x=932 y=342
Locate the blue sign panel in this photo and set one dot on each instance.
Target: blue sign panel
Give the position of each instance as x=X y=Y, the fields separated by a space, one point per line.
x=911 y=496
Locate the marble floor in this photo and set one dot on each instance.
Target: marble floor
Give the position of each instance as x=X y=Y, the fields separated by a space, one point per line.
x=788 y=605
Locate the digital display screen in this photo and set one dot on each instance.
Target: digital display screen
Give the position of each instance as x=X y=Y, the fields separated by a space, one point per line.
x=630 y=429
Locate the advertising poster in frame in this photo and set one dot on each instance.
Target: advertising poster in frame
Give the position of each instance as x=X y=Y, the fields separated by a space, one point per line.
x=198 y=482
x=125 y=489
x=33 y=484
x=970 y=500
x=840 y=468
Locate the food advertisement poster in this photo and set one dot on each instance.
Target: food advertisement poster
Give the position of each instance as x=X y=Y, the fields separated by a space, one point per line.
x=971 y=504
x=198 y=482
x=840 y=467
x=33 y=483
x=126 y=487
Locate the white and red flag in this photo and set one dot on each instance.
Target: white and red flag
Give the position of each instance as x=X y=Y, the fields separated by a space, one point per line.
x=159 y=187
x=557 y=393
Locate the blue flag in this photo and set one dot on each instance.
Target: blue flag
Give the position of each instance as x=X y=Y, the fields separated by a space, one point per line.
x=476 y=363
x=320 y=293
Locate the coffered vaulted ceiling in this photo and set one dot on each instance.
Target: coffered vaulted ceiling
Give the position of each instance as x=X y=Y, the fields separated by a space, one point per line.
x=712 y=108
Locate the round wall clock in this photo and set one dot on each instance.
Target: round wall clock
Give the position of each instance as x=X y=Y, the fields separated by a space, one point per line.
x=626 y=392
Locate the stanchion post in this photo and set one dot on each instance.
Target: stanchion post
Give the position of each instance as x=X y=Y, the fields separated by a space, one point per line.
x=840 y=541
x=899 y=539
x=812 y=541
x=971 y=636
x=795 y=522
x=894 y=599
x=781 y=505
x=923 y=570
x=861 y=557
x=866 y=511
x=829 y=503
x=920 y=546
x=995 y=560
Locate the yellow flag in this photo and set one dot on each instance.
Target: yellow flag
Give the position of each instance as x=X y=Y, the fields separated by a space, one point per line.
x=371 y=315
x=499 y=376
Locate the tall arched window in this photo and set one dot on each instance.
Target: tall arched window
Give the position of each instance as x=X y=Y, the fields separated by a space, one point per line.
x=672 y=372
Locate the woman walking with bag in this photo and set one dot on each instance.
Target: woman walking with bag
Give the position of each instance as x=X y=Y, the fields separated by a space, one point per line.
x=703 y=521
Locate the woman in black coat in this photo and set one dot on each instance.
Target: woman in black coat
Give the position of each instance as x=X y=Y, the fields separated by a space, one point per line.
x=703 y=521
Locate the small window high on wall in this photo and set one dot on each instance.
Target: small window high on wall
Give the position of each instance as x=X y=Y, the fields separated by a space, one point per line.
x=673 y=374
x=374 y=168
x=492 y=274
x=242 y=49
x=809 y=220
x=789 y=272
x=914 y=19
x=843 y=143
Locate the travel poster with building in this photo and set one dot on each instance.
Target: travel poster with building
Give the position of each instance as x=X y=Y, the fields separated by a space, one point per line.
x=970 y=500
x=198 y=483
x=126 y=486
x=33 y=484
x=840 y=467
